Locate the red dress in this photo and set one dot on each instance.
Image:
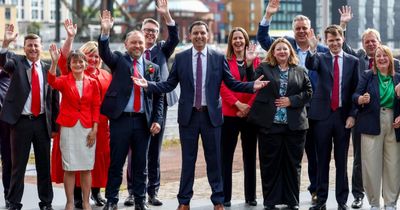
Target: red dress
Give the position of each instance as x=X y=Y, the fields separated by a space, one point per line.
x=102 y=157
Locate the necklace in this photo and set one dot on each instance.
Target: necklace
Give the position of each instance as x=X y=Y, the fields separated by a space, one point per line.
x=240 y=63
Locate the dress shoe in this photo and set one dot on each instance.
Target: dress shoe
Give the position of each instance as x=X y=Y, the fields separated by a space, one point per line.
x=227 y=204
x=314 y=198
x=183 y=207
x=342 y=207
x=129 y=201
x=251 y=203
x=98 y=200
x=110 y=206
x=153 y=200
x=219 y=207
x=141 y=206
x=78 y=204
x=13 y=208
x=295 y=207
x=357 y=203
x=269 y=207
x=318 y=206
x=48 y=207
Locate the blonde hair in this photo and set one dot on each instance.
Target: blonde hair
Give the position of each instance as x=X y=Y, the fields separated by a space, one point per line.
x=385 y=49
x=373 y=32
x=230 y=51
x=270 y=58
x=89 y=47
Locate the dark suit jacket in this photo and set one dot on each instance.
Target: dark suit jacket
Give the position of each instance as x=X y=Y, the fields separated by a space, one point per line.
x=160 y=55
x=19 y=68
x=119 y=91
x=321 y=101
x=299 y=92
x=266 y=41
x=4 y=84
x=369 y=114
x=217 y=71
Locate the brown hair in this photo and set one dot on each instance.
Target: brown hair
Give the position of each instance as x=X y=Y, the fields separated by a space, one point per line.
x=229 y=51
x=270 y=58
x=389 y=53
x=31 y=36
x=75 y=54
x=333 y=30
x=198 y=23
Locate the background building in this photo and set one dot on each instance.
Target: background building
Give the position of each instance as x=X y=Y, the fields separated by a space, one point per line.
x=8 y=14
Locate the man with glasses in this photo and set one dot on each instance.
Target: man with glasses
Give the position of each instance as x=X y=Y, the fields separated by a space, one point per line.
x=158 y=53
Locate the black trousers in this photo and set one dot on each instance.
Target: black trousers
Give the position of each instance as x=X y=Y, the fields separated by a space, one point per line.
x=281 y=151
x=311 y=152
x=5 y=149
x=357 y=188
x=24 y=133
x=248 y=133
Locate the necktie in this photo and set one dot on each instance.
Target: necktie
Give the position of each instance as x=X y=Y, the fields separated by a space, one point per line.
x=199 y=72
x=335 y=88
x=136 y=99
x=35 y=106
x=371 y=63
x=147 y=55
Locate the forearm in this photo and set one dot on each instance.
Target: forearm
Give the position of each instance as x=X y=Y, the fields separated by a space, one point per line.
x=67 y=46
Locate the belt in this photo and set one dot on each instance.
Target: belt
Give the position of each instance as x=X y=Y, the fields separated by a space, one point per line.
x=133 y=114
x=31 y=116
x=201 y=109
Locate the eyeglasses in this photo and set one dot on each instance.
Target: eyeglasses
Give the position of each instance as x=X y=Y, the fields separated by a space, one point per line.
x=150 y=30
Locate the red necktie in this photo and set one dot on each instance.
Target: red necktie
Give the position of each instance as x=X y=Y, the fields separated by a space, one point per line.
x=371 y=63
x=35 y=106
x=335 y=88
x=147 y=55
x=136 y=99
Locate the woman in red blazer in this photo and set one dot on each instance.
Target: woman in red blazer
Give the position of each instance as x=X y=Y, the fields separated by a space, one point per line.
x=235 y=106
x=78 y=118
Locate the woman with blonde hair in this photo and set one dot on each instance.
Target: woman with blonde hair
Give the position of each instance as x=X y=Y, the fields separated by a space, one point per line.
x=279 y=113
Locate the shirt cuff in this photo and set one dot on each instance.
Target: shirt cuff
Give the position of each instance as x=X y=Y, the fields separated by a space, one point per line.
x=3 y=50
x=264 y=22
x=172 y=23
x=104 y=37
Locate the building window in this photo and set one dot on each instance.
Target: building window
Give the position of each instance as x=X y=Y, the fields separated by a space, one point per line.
x=15 y=2
x=8 y=13
x=35 y=3
x=22 y=14
x=35 y=14
x=252 y=16
x=53 y=15
x=251 y=6
x=2 y=2
x=252 y=27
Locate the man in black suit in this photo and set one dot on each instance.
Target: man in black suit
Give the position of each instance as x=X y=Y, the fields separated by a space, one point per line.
x=333 y=111
x=371 y=39
x=30 y=107
x=158 y=53
x=200 y=71
x=5 y=147
x=133 y=118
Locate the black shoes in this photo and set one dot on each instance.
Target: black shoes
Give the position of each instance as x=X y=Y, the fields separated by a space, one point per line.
x=110 y=206
x=318 y=206
x=357 y=203
x=98 y=200
x=295 y=207
x=141 y=206
x=48 y=207
x=129 y=201
x=78 y=204
x=269 y=207
x=227 y=204
x=342 y=207
x=153 y=200
x=251 y=203
x=314 y=198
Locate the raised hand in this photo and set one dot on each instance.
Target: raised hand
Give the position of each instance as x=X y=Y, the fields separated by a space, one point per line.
x=54 y=53
x=345 y=15
x=272 y=8
x=258 y=83
x=106 y=21
x=70 y=28
x=251 y=53
x=312 y=41
x=162 y=6
x=9 y=35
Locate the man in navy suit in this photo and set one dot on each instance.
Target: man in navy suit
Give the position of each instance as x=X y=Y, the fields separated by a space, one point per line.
x=333 y=111
x=158 y=53
x=301 y=29
x=133 y=118
x=200 y=71
x=30 y=107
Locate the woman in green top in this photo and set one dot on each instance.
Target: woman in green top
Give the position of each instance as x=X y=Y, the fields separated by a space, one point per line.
x=378 y=123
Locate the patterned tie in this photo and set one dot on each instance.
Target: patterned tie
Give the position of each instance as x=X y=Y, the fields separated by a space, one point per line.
x=147 y=55
x=199 y=72
x=35 y=106
x=335 y=88
x=136 y=99
x=371 y=63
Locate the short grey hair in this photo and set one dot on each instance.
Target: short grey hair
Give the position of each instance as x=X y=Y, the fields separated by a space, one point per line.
x=301 y=17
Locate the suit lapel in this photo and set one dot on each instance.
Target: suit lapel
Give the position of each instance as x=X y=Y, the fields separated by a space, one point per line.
x=209 y=65
x=129 y=61
x=276 y=77
x=291 y=78
x=190 y=66
x=329 y=63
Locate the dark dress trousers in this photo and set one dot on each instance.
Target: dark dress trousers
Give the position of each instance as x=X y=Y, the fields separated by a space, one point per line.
x=266 y=41
x=159 y=55
x=26 y=130
x=5 y=147
x=205 y=122
x=356 y=179
x=330 y=125
x=128 y=130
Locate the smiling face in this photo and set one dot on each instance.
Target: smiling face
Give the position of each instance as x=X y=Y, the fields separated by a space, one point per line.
x=281 y=53
x=301 y=30
x=134 y=44
x=93 y=60
x=370 y=43
x=382 y=60
x=334 y=43
x=33 y=49
x=77 y=65
x=150 y=31
x=199 y=37
x=238 y=42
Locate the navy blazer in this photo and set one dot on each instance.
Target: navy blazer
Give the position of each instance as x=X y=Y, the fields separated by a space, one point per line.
x=182 y=72
x=298 y=91
x=320 y=105
x=266 y=41
x=20 y=86
x=369 y=114
x=4 y=84
x=120 y=89
x=160 y=55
